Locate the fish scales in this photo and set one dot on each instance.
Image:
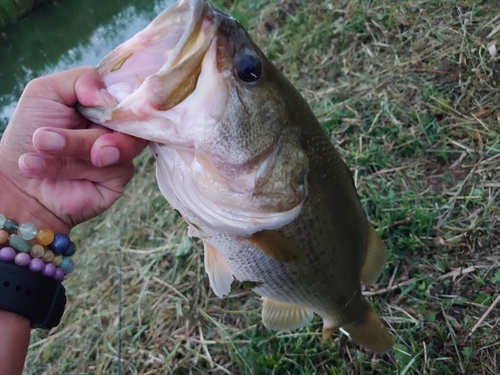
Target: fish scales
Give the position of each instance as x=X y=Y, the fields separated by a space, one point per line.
x=326 y=238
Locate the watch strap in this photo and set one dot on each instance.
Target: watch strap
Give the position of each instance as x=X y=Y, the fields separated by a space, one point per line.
x=30 y=294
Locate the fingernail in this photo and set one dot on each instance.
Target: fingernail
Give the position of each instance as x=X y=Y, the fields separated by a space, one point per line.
x=108 y=155
x=49 y=141
x=107 y=99
x=32 y=162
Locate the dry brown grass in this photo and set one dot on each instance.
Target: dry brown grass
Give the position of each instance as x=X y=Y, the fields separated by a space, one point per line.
x=409 y=93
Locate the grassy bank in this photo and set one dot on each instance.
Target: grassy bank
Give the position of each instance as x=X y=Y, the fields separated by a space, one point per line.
x=12 y=10
x=409 y=92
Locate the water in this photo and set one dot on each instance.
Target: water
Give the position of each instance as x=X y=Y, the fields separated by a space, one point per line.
x=67 y=35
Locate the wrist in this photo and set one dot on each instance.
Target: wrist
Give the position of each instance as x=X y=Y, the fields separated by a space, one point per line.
x=32 y=266
x=14 y=340
x=22 y=207
x=13 y=324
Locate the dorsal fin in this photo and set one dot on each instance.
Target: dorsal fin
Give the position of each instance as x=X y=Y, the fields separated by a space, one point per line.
x=277 y=246
x=219 y=274
x=375 y=257
x=284 y=316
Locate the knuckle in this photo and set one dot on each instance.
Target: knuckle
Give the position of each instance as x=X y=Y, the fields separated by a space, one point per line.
x=34 y=84
x=81 y=146
x=62 y=166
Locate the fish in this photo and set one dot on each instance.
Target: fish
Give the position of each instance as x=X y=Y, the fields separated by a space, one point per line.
x=242 y=157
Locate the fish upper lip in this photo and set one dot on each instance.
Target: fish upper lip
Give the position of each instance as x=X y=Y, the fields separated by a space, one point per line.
x=199 y=10
x=177 y=39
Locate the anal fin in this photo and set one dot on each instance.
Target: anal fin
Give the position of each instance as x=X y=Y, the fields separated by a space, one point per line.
x=375 y=257
x=277 y=246
x=284 y=316
x=327 y=333
x=219 y=274
x=370 y=332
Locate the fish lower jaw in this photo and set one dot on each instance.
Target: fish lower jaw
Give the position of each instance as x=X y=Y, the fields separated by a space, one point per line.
x=183 y=194
x=235 y=222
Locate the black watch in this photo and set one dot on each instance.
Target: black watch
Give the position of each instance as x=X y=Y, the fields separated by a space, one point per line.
x=40 y=299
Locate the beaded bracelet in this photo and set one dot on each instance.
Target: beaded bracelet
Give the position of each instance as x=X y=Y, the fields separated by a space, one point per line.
x=40 y=250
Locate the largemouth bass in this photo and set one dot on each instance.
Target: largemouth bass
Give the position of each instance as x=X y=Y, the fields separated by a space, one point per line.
x=242 y=157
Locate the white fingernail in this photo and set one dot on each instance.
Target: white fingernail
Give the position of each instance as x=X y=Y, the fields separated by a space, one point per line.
x=108 y=155
x=107 y=98
x=49 y=141
x=32 y=162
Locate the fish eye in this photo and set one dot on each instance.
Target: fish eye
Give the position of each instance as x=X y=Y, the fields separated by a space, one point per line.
x=301 y=180
x=248 y=67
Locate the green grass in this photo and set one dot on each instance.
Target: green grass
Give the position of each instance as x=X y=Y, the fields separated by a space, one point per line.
x=410 y=95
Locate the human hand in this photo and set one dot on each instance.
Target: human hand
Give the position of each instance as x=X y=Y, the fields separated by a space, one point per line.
x=56 y=167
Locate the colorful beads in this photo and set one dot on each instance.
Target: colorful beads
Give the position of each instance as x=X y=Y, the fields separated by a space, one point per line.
x=70 y=251
x=71 y=268
x=27 y=231
x=4 y=236
x=19 y=244
x=49 y=270
x=67 y=265
x=60 y=244
x=11 y=226
x=36 y=265
x=57 y=260
x=41 y=251
x=22 y=259
x=7 y=254
x=37 y=251
x=59 y=275
x=44 y=236
x=48 y=256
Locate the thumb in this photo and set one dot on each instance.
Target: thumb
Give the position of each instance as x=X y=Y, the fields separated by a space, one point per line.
x=104 y=99
x=91 y=91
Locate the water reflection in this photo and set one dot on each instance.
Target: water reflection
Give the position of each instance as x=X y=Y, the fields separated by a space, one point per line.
x=70 y=34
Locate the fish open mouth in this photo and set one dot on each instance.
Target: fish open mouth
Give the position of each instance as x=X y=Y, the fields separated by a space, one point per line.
x=159 y=67
x=173 y=84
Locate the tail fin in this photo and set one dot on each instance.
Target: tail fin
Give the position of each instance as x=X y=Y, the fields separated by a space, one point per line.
x=370 y=332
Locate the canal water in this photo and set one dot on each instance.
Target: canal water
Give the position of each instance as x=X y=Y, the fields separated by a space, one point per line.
x=66 y=35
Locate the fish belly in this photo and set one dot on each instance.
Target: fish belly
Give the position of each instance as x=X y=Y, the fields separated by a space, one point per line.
x=317 y=282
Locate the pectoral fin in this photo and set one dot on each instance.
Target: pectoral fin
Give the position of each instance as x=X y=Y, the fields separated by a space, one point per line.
x=375 y=257
x=277 y=246
x=219 y=274
x=284 y=316
x=370 y=332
